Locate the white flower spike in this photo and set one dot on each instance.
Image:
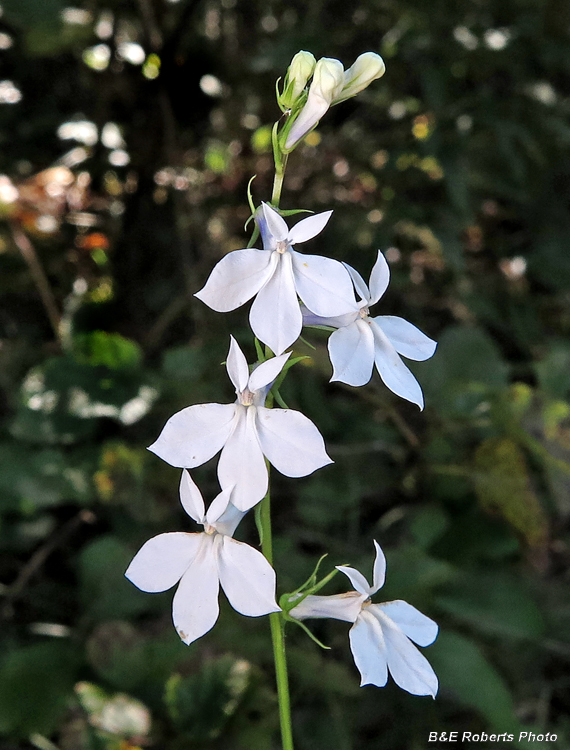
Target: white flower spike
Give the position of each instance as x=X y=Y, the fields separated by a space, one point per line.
x=382 y=634
x=245 y=432
x=362 y=341
x=275 y=276
x=201 y=562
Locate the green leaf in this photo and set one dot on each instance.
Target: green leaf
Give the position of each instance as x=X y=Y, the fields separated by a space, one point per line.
x=105 y=592
x=201 y=704
x=493 y=603
x=108 y=349
x=464 y=671
x=503 y=486
x=35 y=685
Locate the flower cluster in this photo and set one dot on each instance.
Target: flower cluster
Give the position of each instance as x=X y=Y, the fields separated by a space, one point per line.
x=289 y=289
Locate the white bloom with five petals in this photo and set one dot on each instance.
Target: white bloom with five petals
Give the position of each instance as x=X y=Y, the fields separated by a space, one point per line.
x=245 y=432
x=362 y=341
x=201 y=562
x=382 y=634
x=275 y=276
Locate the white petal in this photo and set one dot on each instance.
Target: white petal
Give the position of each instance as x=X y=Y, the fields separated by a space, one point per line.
x=269 y=241
x=192 y=436
x=218 y=506
x=242 y=463
x=406 y=338
x=191 y=498
x=351 y=350
x=195 y=605
x=379 y=572
x=275 y=223
x=236 y=278
x=323 y=284
x=421 y=629
x=337 y=321
x=275 y=316
x=247 y=579
x=236 y=365
x=369 y=650
x=359 y=283
x=410 y=670
x=308 y=228
x=393 y=371
x=228 y=522
x=291 y=442
x=266 y=372
x=338 y=606
x=162 y=561
x=315 y=107
x=356 y=578
x=379 y=278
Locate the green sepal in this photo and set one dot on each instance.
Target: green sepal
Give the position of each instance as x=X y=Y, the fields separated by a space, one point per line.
x=308 y=632
x=279 y=399
x=259 y=350
x=259 y=523
x=250 y=197
x=329 y=329
x=308 y=343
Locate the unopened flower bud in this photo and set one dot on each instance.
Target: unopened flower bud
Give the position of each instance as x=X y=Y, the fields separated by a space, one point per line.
x=298 y=75
x=327 y=83
x=367 y=68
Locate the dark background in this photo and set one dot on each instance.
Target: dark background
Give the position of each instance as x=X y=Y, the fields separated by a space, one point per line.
x=457 y=165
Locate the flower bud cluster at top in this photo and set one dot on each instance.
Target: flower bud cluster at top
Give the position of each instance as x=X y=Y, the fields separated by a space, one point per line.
x=289 y=289
x=330 y=84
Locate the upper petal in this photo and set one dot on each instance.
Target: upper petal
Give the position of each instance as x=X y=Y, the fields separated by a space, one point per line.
x=290 y=441
x=192 y=436
x=356 y=578
x=379 y=278
x=338 y=606
x=191 y=498
x=393 y=371
x=242 y=463
x=379 y=572
x=369 y=650
x=236 y=365
x=351 y=350
x=359 y=283
x=408 y=667
x=267 y=371
x=247 y=578
x=308 y=228
x=218 y=506
x=275 y=222
x=228 y=521
x=421 y=629
x=163 y=560
x=195 y=605
x=323 y=284
x=236 y=278
x=406 y=338
x=275 y=316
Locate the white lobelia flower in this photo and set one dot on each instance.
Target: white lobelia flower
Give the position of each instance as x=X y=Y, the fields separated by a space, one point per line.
x=331 y=85
x=201 y=562
x=361 y=340
x=245 y=432
x=382 y=634
x=277 y=274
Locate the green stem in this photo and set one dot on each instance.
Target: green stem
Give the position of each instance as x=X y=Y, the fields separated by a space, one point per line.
x=277 y=637
x=278 y=181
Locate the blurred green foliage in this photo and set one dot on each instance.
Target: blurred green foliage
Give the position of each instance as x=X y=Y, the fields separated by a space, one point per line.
x=129 y=133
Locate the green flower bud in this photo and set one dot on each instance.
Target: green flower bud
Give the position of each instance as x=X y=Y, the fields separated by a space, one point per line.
x=298 y=75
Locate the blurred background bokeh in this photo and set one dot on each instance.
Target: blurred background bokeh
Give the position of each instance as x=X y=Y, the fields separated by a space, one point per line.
x=128 y=132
